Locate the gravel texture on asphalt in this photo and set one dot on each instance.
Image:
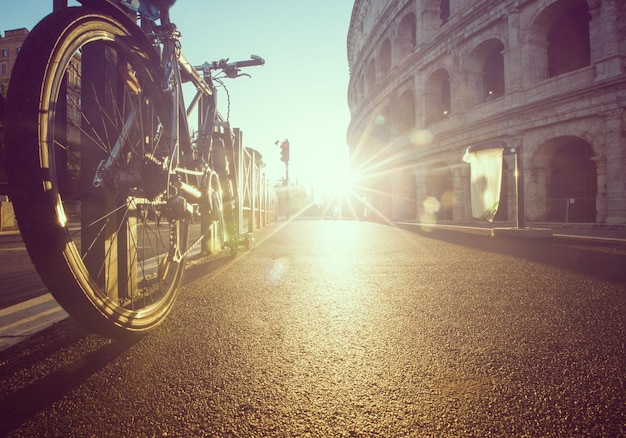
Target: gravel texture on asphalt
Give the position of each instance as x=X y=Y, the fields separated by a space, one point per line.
x=347 y=329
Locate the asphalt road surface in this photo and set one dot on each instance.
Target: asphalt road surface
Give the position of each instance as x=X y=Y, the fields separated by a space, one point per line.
x=354 y=329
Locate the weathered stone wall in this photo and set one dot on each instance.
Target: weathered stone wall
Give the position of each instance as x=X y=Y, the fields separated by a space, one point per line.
x=539 y=111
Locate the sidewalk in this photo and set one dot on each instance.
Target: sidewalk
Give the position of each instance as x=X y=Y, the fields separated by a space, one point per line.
x=581 y=231
x=10 y=232
x=25 y=319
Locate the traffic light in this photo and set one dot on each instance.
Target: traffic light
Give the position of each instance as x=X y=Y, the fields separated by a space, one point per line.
x=284 y=151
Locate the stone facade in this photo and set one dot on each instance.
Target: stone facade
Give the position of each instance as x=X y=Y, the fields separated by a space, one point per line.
x=10 y=45
x=429 y=78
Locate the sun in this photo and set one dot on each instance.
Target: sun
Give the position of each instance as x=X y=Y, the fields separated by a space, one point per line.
x=335 y=182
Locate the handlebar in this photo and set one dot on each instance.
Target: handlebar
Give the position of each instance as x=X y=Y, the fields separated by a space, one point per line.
x=230 y=68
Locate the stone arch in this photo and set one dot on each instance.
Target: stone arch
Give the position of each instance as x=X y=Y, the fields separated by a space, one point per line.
x=572 y=180
x=569 y=46
x=485 y=70
x=405 y=112
x=406 y=196
x=437 y=96
x=407 y=35
x=444 y=11
x=564 y=29
x=439 y=191
x=381 y=125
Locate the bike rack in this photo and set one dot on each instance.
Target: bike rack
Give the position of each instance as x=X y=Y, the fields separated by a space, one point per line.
x=258 y=198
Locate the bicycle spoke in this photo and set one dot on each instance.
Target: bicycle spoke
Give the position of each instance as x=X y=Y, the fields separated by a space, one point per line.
x=92 y=137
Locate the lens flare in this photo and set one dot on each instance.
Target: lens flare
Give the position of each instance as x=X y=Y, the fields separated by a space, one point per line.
x=431 y=205
x=421 y=137
x=278 y=270
x=447 y=199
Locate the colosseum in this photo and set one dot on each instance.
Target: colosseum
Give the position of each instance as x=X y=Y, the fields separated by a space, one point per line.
x=542 y=80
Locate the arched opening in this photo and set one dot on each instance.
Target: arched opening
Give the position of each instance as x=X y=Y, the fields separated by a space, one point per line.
x=568 y=41
x=406 y=196
x=444 y=11
x=573 y=181
x=437 y=97
x=381 y=129
x=407 y=35
x=485 y=72
x=493 y=73
x=405 y=112
x=440 y=192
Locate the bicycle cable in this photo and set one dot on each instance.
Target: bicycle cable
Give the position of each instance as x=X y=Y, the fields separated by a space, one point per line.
x=221 y=82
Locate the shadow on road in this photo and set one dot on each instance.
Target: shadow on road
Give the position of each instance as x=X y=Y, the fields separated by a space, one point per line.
x=43 y=369
x=601 y=260
x=200 y=267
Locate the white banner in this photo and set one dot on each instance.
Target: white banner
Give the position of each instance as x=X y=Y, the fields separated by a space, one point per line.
x=486 y=181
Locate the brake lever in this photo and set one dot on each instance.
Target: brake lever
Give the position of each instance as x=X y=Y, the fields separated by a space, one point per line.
x=231 y=72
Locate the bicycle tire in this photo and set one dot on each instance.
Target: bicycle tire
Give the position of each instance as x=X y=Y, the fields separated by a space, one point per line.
x=113 y=274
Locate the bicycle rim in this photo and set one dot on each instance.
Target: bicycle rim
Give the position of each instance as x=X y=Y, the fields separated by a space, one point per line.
x=94 y=154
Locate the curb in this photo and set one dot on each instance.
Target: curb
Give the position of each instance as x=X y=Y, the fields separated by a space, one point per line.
x=523 y=233
x=512 y=232
x=22 y=320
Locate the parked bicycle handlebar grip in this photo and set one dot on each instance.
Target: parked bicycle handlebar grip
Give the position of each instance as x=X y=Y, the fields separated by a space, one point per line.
x=223 y=64
x=255 y=60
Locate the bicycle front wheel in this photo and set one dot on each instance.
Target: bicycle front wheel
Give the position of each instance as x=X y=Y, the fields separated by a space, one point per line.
x=87 y=150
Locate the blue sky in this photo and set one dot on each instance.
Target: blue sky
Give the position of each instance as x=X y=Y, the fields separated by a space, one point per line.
x=301 y=92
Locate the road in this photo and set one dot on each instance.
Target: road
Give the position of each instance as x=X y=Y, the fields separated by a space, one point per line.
x=343 y=328
x=18 y=280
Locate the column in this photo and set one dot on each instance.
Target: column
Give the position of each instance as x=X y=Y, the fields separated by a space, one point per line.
x=513 y=55
x=604 y=32
x=420 y=192
x=615 y=177
x=601 y=182
x=459 y=175
x=534 y=67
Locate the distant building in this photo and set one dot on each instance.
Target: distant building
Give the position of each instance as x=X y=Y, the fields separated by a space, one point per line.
x=431 y=77
x=10 y=45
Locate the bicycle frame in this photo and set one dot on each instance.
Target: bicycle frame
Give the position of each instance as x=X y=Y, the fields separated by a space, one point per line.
x=199 y=162
x=98 y=135
x=195 y=163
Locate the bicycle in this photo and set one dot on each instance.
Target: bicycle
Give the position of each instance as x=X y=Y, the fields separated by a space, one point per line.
x=97 y=132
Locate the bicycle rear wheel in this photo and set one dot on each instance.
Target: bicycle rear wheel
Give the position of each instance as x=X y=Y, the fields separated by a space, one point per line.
x=87 y=148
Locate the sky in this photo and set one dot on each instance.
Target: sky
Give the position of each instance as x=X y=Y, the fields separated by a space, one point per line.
x=300 y=94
